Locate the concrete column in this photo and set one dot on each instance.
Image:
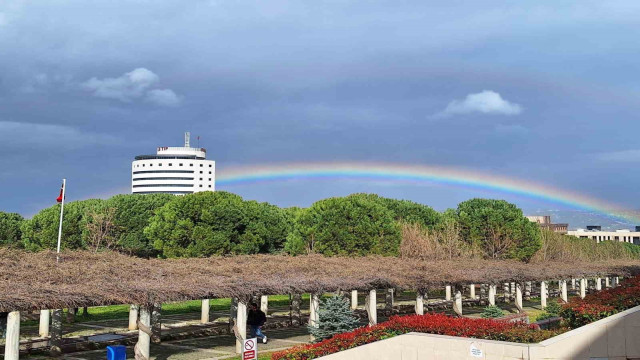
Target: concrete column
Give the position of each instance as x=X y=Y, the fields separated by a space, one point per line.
x=615 y=281
x=598 y=284
x=44 y=323
x=543 y=294
x=457 y=303
x=55 y=341
x=472 y=291
x=563 y=290
x=264 y=304
x=493 y=289
x=388 y=302
x=573 y=284
x=606 y=282
x=296 y=318
x=204 y=311
x=354 y=299
x=583 y=288
x=447 y=292
x=527 y=290
x=372 y=309
x=144 y=340
x=519 y=297
x=513 y=290
x=314 y=306
x=233 y=312
x=506 y=292
x=241 y=325
x=156 y=323
x=420 y=303
x=12 y=341
x=133 y=317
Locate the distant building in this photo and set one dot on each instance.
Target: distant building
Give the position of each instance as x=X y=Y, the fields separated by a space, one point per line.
x=595 y=233
x=544 y=221
x=173 y=170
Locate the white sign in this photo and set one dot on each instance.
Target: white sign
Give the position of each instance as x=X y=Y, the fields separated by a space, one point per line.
x=250 y=349
x=475 y=351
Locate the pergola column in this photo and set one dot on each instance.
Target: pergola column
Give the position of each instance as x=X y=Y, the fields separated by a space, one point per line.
x=264 y=304
x=420 y=296
x=519 y=297
x=354 y=299
x=388 y=302
x=472 y=291
x=12 y=340
x=492 y=294
x=606 y=282
x=55 y=341
x=133 y=317
x=543 y=294
x=527 y=290
x=314 y=306
x=457 y=303
x=447 y=292
x=372 y=309
x=573 y=284
x=142 y=348
x=204 y=311
x=44 y=323
x=563 y=290
x=598 y=284
x=583 y=288
x=241 y=325
x=294 y=309
x=506 y=292
x=615 y=281
x=156 y=323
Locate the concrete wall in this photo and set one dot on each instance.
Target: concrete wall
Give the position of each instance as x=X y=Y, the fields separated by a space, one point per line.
x=616 y=338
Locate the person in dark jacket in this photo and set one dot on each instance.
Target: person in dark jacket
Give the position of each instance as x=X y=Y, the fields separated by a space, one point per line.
x=255 y=319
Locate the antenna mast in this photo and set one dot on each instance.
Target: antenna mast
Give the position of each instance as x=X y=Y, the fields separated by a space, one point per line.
x=187 y=138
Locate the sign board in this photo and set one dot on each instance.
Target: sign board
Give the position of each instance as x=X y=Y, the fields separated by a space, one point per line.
x=475 y=351
x=250 y=349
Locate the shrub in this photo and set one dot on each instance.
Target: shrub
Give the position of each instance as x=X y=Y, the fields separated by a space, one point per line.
x=431 y=323
x=491 y=311
x=552 y=310
x=579 y=312
x=335 y=317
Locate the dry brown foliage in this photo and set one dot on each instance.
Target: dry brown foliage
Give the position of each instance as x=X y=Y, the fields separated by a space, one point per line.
x=32 y=281
x=422 y=243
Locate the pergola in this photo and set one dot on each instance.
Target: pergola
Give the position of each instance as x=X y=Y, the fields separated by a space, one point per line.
x=35 y=281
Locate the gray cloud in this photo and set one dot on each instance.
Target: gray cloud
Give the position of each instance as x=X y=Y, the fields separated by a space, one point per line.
x=131 y=86
x=485 y=102
x=47 y=136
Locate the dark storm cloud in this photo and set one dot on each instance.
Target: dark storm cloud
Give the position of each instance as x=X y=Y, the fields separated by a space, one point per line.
x=89 y=85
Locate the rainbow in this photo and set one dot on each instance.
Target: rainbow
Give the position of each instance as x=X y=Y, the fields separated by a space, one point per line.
x=466 y=178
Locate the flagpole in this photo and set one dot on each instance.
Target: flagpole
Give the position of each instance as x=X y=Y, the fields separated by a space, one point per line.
x=64 y=188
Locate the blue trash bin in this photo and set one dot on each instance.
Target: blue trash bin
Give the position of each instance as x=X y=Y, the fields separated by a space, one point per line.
x=116 y=352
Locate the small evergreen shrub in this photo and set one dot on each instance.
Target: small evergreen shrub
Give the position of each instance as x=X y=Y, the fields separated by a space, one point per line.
x=492 y=311
x=552 y=310
x=335 y=317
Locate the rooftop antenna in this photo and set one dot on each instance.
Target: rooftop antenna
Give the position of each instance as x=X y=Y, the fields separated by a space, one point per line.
x=187 y=138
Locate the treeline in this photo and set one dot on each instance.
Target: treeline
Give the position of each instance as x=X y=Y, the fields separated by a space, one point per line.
x=222 y=223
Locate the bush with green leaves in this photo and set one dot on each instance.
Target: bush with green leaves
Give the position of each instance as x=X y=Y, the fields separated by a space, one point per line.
x=334 y=317
x=10 y=233
x=552 y=310
x=492 y=311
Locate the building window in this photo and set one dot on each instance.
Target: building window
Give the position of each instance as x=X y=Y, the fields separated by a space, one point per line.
x=150 y=164
x=209 y=185
x=200 y=179
x=209 y=172
x=170 y=164
x=190 y=164
x=200 y=185
x=209 y=179
x=209 y=165
x=200 y=165
x=142 y=165
x=160 y=164
x=180 y=164
x=200 y=172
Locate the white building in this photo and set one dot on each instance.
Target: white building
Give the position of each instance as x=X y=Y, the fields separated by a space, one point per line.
x=174 y=170
x=627 y=236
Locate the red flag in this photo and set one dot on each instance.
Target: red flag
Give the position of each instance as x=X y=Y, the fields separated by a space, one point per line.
x=59 y=199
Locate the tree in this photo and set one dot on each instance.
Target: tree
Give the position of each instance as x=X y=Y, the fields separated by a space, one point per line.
x=498 y=229
x=334 y=317
x=354 y=225
x=215 y=223
x=10 y=233
x=132 y=215
x=41 y=231
x=100 y=229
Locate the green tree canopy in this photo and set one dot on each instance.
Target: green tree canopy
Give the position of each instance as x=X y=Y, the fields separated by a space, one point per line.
x=353 y=225
x=133 y=213
x=498 y=229
x=216 y=223
x=10 y=233
x=41 y=231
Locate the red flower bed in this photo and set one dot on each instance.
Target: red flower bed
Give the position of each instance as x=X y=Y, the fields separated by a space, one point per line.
x=599 y=305
x=430 y=323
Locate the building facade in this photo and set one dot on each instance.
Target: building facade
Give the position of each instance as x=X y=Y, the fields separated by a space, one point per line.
x=594 y=232
x=173 y=170
x=544 y=221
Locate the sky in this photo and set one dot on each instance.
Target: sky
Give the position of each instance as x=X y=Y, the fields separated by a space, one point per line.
x=541 y=91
